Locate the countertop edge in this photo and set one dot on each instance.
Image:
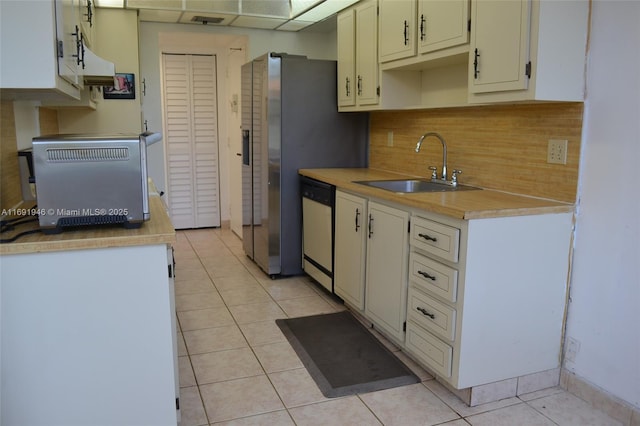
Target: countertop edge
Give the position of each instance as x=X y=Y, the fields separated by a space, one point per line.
x=157 y=230
x=497 y=203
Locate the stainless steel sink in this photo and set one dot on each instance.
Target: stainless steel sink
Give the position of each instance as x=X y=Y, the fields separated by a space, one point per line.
x=414 y=185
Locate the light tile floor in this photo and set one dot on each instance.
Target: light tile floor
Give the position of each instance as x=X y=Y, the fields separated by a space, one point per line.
x=236 y=367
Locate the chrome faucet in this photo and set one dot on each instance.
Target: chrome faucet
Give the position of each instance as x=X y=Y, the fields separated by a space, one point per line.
x=444 y=153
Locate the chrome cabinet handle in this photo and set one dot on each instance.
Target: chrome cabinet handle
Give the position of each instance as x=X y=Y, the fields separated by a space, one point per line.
x=425 y=312
x=426 y=275
x=428 y=237
x=370 y=225
x=423 y=27
x=359 y=85
x=357 y=219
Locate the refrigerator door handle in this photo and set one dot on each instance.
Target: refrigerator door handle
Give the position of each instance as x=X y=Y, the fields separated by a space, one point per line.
x=246 y=141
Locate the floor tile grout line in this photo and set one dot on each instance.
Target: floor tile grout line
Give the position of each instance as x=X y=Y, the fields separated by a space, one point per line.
x=249 y=346
x=260 y=282
x=186 y=348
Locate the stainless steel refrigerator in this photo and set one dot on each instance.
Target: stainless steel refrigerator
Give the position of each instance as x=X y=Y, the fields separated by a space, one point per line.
x=290 y=121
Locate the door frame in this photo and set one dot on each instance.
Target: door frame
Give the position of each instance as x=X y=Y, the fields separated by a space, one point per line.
x=231 y=53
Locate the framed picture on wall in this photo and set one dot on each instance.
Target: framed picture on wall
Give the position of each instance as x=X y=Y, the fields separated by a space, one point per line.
x=124 y=88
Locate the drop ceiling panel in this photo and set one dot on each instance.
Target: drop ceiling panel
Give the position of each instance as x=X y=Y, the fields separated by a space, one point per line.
x=275 y=8
x=155 y=4
x=220 y=6
x=149 y=15
x=295 y=25
x=257 y=22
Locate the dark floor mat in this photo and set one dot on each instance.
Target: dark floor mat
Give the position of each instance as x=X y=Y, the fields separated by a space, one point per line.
x=342 y=356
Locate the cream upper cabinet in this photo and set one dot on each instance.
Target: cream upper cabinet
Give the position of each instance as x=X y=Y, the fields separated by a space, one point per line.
x=527 y=50
x=350 y=248
x=358 y=56
x=386 y=273
x=499 y=56
x=31 y=66
x=346 y=24
x=442 y=24
x=415 y=27
x=69 y=36
x=397 y=27
x=87 y=19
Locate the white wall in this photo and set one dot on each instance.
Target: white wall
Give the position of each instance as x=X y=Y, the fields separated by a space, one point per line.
x=604 y=309
x=223 y=42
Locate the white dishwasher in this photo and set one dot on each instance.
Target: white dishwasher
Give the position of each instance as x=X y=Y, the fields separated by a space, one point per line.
x=318 y=201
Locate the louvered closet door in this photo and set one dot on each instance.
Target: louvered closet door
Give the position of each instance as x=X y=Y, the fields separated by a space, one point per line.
x=191 y=128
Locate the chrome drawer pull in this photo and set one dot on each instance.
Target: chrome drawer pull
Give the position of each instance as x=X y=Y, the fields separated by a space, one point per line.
x=428 y=237
x=425 y=312
x=424 y=274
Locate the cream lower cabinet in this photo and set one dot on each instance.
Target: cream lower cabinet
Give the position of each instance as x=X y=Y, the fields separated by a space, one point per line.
x=350 y=248
x=370 y=264
x=386 y=282
x=486 y=298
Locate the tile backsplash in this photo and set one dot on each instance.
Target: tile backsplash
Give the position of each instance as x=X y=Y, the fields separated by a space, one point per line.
x=10 y=184
x=499 y=147
x=10 y=189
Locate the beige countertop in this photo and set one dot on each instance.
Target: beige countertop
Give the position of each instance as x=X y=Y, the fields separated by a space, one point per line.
x=157 y=230
x=460 y=204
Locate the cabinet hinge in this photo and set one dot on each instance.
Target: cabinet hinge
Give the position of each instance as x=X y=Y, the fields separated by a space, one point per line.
x=469 y=25
x=404 y=326
x=378 y=90
x=170 y=271
x=527 y=69
x=409 y=227
x=60 y=49
x=177 y=403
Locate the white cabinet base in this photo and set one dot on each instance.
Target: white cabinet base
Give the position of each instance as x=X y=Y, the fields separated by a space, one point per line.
x=87 y=337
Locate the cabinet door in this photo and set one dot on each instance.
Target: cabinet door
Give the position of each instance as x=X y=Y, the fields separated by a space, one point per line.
x=397 y=22
x=367 y=53
x=350 y=243
x=68 y=33
x=442 y=24
x=346 y=23
x=87 y=18
x=387 y=263
x=499 y=50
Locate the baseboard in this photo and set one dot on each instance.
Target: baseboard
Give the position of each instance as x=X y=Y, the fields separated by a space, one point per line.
x=508 y=388
x=600 y=399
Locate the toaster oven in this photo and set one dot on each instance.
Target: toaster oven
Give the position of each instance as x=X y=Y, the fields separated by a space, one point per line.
x=85 y=180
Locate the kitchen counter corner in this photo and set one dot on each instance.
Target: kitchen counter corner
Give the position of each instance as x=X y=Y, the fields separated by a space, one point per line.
x=157 y=230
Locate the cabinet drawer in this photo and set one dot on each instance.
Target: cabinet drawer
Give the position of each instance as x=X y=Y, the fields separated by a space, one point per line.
x=434 y=277
x=429 y=349
x=431 y=314
x=435 y=238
